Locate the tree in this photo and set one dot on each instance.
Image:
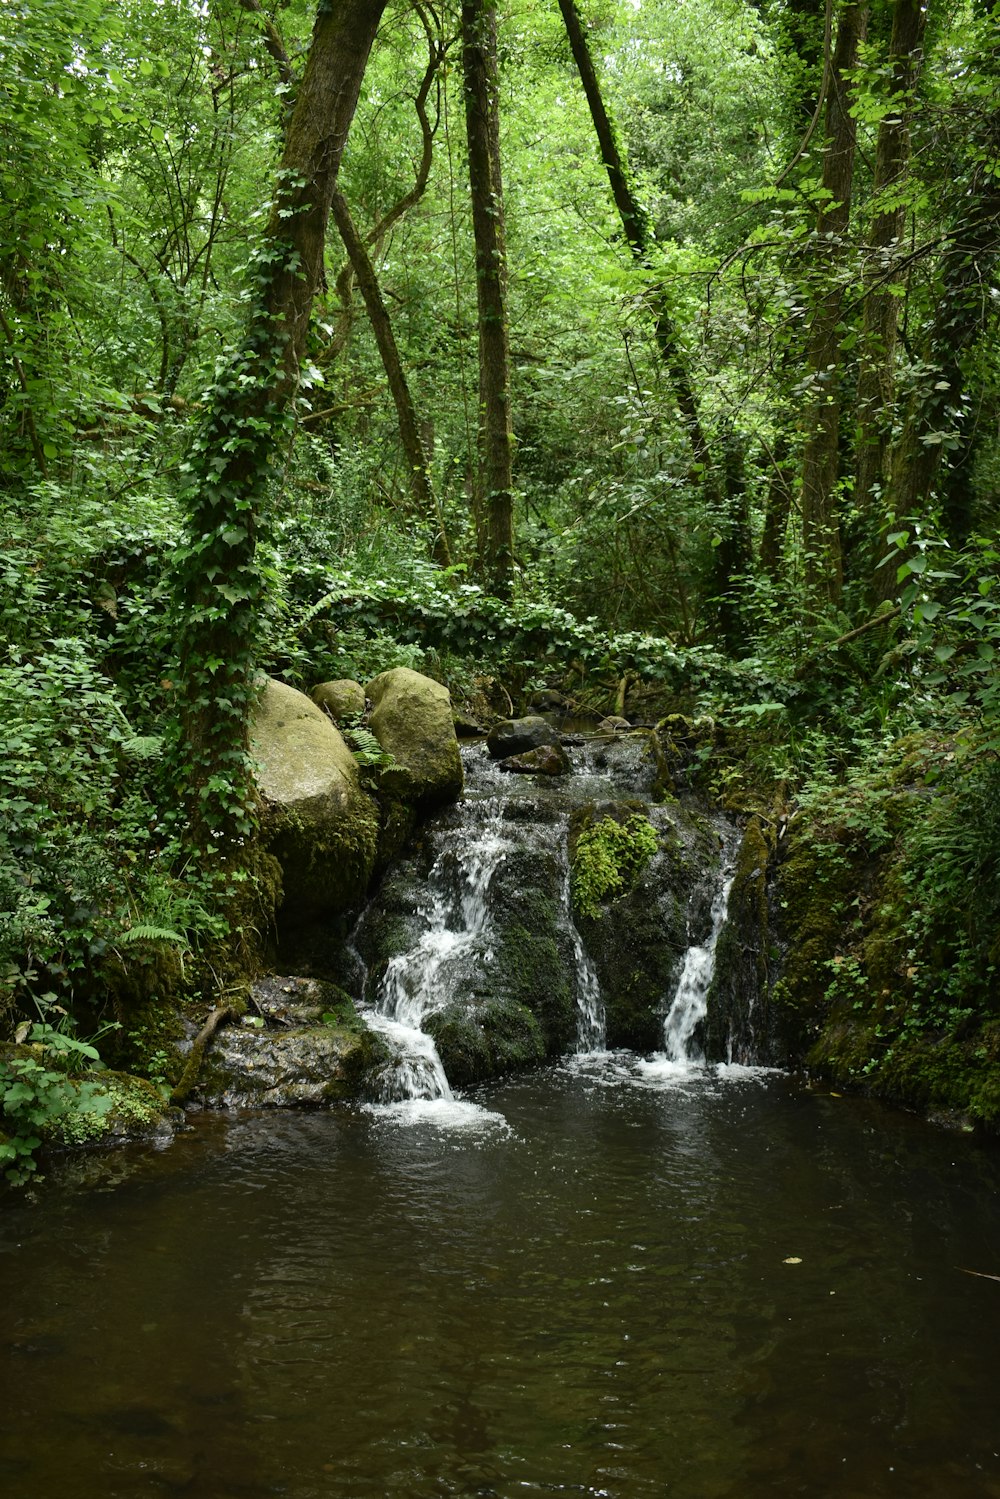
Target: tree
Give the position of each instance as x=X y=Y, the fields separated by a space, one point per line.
x=882 y=268
x=820 y=462
x=218 y=585
x=496 y=433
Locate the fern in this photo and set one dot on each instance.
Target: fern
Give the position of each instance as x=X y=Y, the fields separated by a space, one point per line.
x=142 y=747
x=366 y=748
x=143 y=932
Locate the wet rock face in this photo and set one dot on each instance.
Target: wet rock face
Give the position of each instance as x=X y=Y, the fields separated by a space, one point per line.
x=638 y=938
x=302 y=1043
x=478 y=915
x=518 y=736
x=547 y=760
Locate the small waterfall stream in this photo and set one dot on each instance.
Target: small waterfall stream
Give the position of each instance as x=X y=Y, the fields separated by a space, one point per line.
x=477 y=923
x=690 y=1002
x=416 y=981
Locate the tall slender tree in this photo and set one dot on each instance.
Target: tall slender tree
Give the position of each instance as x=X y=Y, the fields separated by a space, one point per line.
x=876 y=374
x=820 y=461
x=496 y=433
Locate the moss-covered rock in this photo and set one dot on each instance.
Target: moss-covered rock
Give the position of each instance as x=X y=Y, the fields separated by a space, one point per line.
x=412 y=720
x=302 y=1043
x=318 y=822
x=342 y=699
x=637 y=922
x=489 y=1040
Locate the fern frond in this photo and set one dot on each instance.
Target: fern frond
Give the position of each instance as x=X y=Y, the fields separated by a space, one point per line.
x=143 y=932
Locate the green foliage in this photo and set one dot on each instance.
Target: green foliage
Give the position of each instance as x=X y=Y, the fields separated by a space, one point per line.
x=41 y=1089
x=608 y=859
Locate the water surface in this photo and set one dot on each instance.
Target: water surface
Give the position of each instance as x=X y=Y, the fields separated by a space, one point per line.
x=613 y=1278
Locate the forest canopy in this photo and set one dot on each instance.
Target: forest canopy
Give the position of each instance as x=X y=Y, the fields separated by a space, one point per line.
x=616 y=347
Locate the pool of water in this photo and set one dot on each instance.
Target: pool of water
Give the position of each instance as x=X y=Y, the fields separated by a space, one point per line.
x=612 y=1278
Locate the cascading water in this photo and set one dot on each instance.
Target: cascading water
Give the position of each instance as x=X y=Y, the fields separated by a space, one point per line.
x=416 y=981
x=690 y=1002
x=477 y=965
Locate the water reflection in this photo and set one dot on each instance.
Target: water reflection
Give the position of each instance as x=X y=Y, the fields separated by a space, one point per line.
x=638 y=1284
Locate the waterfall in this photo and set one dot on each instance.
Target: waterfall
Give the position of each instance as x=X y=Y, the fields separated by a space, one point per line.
x=690 y=1001
x=415 y=981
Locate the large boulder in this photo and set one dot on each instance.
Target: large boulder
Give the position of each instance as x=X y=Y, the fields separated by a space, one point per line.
x=306 y=1045
x=411 y=719
x=322 y=828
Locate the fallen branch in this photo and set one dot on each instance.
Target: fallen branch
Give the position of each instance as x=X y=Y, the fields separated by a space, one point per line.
x=192 y=1067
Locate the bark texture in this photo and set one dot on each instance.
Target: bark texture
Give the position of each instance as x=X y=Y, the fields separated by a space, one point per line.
x=820 y=462
x=496 y=436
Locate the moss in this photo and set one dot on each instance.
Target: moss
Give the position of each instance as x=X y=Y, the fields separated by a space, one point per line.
x=475 y=1044
x=137 y=1110
x=607 y=858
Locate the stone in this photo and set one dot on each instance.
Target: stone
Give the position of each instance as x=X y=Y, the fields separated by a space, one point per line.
x=547 y=760
x=411 y=718
x=550 y=701
x=516 y=736
x=252 y=1067
x=342 y=699
x=613 y=724
x=320 y=825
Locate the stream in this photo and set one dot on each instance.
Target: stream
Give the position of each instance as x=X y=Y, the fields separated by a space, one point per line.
x=625 y=1273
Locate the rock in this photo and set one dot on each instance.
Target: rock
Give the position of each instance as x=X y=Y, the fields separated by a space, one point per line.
x=613 y=724
x=342 y=699
x=321 y=826
x=253 y=1067
x=547 y=760
x=549 y=701
x=411 y=719
x=516 y=736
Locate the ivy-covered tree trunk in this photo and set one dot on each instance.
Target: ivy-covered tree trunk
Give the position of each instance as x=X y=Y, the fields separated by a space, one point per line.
x=938 y=414
x=820 y=461
x=217 y=585
x=636 y=228
x=496 y=436
x=876 y=375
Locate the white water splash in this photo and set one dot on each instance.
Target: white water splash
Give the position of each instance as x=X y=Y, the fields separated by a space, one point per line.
x=690 y=1001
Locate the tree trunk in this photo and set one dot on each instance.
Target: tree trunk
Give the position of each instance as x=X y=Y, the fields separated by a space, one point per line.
x=218 y=587
x=938 y=413
x=820 y=531
x=876 y=376
x=635 y=225
x=496 y=437
x=422 y=494
x=777 y=508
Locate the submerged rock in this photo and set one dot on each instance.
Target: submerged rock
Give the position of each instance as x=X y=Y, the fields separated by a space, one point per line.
x=547 y=760
x=412 y=720
x=319 y=823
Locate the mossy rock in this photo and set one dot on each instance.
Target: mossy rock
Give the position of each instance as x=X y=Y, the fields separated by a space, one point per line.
x=318 y=822
x=412 y=720
x=478 y=1042
x=637 y=933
